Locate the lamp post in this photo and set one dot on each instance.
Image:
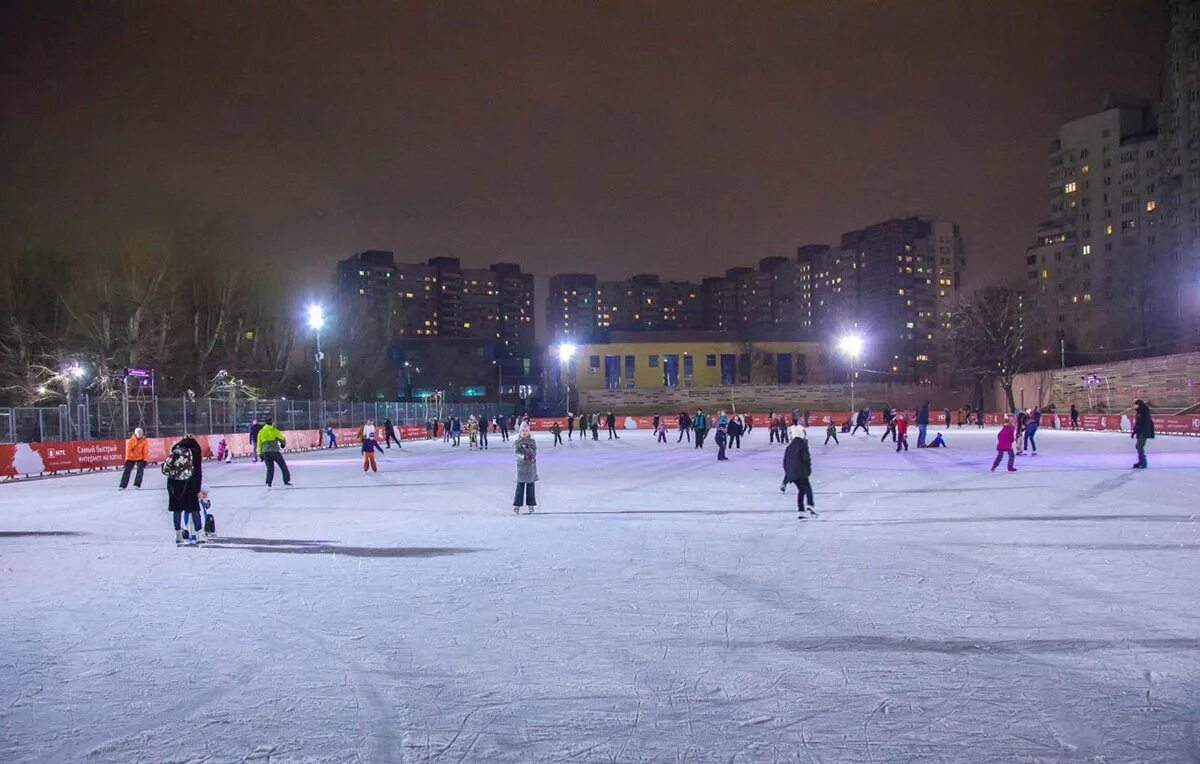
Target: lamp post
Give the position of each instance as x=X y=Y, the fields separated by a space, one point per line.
x=73 y=372
x=316 y=320
x=566 y=352
x=851 y=346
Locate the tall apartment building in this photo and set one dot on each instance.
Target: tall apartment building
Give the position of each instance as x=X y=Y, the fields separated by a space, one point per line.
x=1090 y=275
x=895 y=283
x=441 y=299
x=581 y=308
x=1175 y=307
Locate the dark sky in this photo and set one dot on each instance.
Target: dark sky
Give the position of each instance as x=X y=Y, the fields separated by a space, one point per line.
x=677 y=137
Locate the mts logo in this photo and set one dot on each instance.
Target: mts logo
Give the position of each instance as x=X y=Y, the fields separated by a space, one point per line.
x=53 y=452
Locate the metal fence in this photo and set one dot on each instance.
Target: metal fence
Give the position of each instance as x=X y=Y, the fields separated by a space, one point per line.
x=161 y=417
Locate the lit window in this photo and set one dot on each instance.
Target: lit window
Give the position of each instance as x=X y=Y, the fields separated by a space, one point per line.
x=1151 y=206
x=1087 y=249
x=1085 y=169
x=1087 y=298
x=1045 y=273
x=1108 y=230
x=1069 y=188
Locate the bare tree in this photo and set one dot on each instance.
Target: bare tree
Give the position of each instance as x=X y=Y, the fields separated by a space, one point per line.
x=989 y=335
x=33 y=325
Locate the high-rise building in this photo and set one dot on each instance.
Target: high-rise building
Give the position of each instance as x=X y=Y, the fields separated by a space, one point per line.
x=440 y=299
x=571 y=308
x=1174 y=307
x=895 y=283
x=1089 y=275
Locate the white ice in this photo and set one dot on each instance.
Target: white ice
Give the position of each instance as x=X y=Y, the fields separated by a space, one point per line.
x=660 y=606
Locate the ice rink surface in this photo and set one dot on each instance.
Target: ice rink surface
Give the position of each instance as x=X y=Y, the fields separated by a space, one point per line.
x=660 y=606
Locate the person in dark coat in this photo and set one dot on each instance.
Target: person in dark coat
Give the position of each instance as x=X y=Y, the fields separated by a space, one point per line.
x=594 y=421
x=1143 y=430
x=556 y=431
x=889 y=420
x=861 y=421
x=806 y=418
x=721 y=439
x=922 y=423
x=583 y=426
x=700 y=425
x=735 y=433
x=685 y=427
x=570 y=426
x=610 y=422
x=183 y=496
x=254 y=428
x=389 y=434
x=946 y=417
x=502 y=420
x=797 y=469
x=654 y=423
x=1074 y=417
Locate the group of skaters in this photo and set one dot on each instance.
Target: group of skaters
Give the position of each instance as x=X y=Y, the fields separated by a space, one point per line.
x=477 y=429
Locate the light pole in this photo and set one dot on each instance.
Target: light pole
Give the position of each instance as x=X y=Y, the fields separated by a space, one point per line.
x=851 y=346
x=73 y=372
x=316 y=320
x=566 y=352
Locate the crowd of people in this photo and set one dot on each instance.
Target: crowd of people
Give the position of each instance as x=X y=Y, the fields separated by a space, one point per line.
x=188 y=501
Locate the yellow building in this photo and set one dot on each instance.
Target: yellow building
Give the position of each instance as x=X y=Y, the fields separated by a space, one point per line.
x=694 y=362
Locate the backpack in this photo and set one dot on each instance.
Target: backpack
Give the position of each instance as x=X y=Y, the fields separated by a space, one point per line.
x=210 y=523
x=178 y=465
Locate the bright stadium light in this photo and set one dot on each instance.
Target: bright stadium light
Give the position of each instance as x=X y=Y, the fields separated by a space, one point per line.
x=851 y=346
x=566 y=352
x=316 y=317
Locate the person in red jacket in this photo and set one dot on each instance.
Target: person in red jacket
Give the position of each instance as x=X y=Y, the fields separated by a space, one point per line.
x=1004 y=445
x=901 y=432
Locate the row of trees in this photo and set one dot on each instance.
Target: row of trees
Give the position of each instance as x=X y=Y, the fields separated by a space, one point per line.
x=186 y=314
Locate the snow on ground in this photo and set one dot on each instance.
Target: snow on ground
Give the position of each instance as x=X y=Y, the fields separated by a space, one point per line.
x=660 y=606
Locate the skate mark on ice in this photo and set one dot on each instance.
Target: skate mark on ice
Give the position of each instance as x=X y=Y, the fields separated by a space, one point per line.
x=714 y=512
x=883 y=644
x=1033 y=518
x=1073 y=546
x=350 y=551
x=36 y=534
x=240 y=540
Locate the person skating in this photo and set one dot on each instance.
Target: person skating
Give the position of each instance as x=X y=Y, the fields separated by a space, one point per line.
x=583 y=426
x=773 y=429
x=938 y=442
x=946 y=417
x=1074 y=417
x=185 y=480
x=806 y=417
x=610 y=422
x=721 y=439
x=472 y=433
x=1029 y=445
x=922 y=423
x=270 y=445
x=797 y=469
x=1004 y=444
x=223 y=454
x=330 y=437
x=556 y=431
x=654 y=422
x=455 y=431
x=389 y=434
x=1143 y=430
x=483 y=433
x=594 y=421
x=734 y=431
x=369 y=447
x=136 y=450
x=979 y=420
x=901 y=432
x=503 y=421
x=860 y=421
x=255 y=427
x=831 y=432
x=526 y=450
x=700 y=425
x=685 y=427
x=661 y=430
x=447 y=427
x=889 y=421
x=367 y=430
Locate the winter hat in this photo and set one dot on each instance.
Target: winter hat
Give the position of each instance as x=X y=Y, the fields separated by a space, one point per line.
x=797 y=431
x=524 y=431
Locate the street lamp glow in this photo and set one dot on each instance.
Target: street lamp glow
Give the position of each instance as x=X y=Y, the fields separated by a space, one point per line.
x=851 y=346
x=566 y=352
x=316 y=317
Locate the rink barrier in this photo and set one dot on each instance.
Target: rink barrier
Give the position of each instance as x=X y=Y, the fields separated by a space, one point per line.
x=22 y=460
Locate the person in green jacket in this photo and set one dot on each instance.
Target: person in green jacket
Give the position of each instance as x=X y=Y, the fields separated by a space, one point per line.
x=700 y=426
x=270 y=445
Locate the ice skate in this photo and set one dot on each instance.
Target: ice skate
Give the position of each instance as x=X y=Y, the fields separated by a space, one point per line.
x=178 y=538
x=516 y=510
x=529 y=510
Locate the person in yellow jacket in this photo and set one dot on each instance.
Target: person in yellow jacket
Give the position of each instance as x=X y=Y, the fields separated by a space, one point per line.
x=137 y=448
x=270 y=448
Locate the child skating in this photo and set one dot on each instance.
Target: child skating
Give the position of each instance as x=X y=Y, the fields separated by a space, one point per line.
x=369 y=448
x=831 y=432
x=1004 y=444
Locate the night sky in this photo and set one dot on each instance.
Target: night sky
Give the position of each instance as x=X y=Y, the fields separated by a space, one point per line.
x=617 y=138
